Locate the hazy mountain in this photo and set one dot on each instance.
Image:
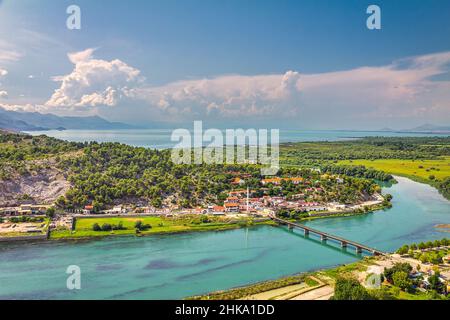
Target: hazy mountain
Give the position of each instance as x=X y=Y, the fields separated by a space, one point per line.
x=429 y=128
x=30 y=121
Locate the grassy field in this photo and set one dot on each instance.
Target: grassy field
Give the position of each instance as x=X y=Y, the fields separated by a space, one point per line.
x=84 y=226
x=419 y=169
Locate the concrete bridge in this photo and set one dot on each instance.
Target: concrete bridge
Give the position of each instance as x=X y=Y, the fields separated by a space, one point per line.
x=326 y=236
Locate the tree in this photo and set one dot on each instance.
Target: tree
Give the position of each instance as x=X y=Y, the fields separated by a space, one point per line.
x=389 y=272
x=403 y=250
x=51 y=212
x=61 y=202
x=435 y=283
x=350 y=289
x=401 y=280
x=96 y=227
x=140 y=226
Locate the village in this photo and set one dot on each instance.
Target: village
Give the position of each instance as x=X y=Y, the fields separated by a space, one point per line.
x=238 y=203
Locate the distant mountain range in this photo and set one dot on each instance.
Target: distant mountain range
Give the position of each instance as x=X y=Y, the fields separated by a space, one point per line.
x=426 y=128
x=429 y=128
x=33 y=121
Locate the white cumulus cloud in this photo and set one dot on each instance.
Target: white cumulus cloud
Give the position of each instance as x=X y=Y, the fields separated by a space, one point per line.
x=227 y=96
x=3 y=94
x=93 y=82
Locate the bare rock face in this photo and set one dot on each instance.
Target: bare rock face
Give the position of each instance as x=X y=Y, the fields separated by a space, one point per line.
x=43 y=184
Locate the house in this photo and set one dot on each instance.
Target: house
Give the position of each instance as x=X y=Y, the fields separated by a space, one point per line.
x=9 y=211
x=232 y=200
x=446 y=259
x=117 y=210
x=277 y=181
x=25 y=209
x=315 y=208
x=88 y=209
x=238 y=181
x=296 y=180
x=218 y=210
x=335 y=206
x=311 y=206
x=200 y=210
x=274 y=181
x=231 y=207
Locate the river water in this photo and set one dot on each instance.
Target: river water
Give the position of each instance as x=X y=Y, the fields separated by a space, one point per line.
x=176 y=266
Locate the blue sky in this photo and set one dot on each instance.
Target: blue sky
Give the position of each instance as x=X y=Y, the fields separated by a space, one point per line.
x=268 y=62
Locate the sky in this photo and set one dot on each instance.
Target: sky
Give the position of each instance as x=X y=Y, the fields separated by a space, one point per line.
x=260 y=63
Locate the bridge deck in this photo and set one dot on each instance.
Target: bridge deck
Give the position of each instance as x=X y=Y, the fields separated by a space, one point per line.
x=330 y=236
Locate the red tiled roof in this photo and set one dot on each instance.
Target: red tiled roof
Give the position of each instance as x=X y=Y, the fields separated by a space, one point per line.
x=231 y=205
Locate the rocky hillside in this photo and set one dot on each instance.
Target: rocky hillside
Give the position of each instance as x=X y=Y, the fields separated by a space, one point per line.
x=30 y=168
x=43 y=182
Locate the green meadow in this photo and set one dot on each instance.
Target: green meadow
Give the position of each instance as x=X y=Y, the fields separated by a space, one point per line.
x=157 y=225
x=421 y=170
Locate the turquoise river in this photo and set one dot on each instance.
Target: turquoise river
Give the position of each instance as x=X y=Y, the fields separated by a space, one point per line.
x=180 y=265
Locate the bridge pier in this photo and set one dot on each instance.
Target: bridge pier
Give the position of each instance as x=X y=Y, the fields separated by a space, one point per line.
x=358 y=250
x=306 y=232
x=290 y=227
x=323 y=238
x=343 y=244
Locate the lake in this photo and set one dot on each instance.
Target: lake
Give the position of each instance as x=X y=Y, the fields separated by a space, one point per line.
x=160 y=138
x=180 y=265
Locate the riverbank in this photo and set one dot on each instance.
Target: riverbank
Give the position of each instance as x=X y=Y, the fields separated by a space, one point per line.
x=291 y=287
x=151 y=225
x=320 y=285
x=84 y=227
x=119 y=225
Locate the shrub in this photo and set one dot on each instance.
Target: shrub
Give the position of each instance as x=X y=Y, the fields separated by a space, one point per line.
x=141 y=227
x=106 y=227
